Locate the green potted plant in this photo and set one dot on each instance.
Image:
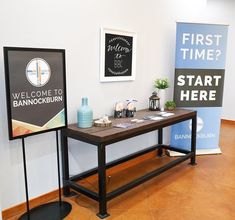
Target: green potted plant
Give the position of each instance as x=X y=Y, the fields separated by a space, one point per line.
x=161 y=84
x=170 y=105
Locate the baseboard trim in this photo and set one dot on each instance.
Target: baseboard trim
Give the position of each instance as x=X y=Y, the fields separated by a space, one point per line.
x=21 y=208
x=228 y=122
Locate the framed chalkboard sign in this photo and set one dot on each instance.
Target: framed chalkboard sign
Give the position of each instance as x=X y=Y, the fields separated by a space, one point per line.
x=118 y=55
x=35 y=90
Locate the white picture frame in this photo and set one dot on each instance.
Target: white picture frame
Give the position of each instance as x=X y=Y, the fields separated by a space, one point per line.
x=117 y=55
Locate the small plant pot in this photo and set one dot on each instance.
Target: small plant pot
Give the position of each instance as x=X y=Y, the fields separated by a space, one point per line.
x=170 y=105
x=170 y=108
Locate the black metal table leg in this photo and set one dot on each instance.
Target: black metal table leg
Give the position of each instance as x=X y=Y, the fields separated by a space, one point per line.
x=193 y=140
x=160 y=137
x=65 y=163
x=102 y=182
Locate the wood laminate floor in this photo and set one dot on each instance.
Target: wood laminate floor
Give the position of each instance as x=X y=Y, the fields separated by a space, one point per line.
x=202 y=192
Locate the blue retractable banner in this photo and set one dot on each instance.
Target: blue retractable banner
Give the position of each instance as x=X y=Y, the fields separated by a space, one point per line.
x=199 y=82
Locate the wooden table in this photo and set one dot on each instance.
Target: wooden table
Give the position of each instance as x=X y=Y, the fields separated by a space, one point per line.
x=101 y=137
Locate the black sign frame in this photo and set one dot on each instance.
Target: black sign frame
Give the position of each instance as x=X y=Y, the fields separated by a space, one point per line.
x=61 y=78
x=117 y=55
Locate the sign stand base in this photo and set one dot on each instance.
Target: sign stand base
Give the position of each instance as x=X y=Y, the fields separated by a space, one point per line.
x=50 y=211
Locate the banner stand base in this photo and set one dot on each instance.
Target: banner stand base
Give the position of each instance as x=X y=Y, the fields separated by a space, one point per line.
x=198 y=152
x=48 y=211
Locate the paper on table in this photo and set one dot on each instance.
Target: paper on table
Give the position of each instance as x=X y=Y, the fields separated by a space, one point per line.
x=136 y=120
x=148 y=117
x=168 y=114
x=157 y=118
x=123 y=125
x=161 y=113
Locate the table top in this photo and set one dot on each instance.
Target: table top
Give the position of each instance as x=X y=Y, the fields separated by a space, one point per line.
x=108 y=135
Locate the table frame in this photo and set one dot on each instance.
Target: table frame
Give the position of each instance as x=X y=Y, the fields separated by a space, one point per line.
x=102 y=197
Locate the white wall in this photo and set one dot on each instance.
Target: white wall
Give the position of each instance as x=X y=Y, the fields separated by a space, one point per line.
x=75 y=26
x=0 y=210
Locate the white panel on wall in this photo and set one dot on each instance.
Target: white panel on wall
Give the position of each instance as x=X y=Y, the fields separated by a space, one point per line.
x=75 y=27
